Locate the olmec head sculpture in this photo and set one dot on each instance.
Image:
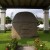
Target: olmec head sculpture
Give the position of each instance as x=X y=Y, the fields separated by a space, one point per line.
x=24 y=25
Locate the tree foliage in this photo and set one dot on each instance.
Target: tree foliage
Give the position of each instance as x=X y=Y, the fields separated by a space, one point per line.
x=40 y=20
x=8 y=20
x=49 y=21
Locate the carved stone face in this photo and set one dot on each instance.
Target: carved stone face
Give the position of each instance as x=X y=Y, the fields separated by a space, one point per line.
x=25 y=24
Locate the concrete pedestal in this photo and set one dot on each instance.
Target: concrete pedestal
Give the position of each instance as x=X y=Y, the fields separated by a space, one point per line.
x=2 y=15
x=46 y=20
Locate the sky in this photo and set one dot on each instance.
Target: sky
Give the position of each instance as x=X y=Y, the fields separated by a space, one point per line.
x=37 y=12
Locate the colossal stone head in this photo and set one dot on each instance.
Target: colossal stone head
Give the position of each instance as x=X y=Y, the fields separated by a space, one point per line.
x=24 y=25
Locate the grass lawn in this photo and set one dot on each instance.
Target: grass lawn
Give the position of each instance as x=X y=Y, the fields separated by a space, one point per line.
x=45 y=37
x=6 y=37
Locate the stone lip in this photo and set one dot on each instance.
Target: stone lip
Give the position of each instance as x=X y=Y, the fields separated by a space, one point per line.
x=26 y=48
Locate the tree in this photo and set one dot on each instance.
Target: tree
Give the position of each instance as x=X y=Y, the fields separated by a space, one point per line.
x=40 y=20
x=49 y=21
x=8 y=20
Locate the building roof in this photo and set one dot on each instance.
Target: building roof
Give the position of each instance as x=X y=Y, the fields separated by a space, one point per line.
x=38 y=4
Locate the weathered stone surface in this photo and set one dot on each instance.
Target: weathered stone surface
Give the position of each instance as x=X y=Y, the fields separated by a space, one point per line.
x=24 y=25
x=25 y=48
x=28 y=48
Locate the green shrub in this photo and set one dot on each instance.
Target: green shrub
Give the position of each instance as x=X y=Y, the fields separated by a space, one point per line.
x=40 y=45
x=40 y=29
x=8 y=46
x=13 y=44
